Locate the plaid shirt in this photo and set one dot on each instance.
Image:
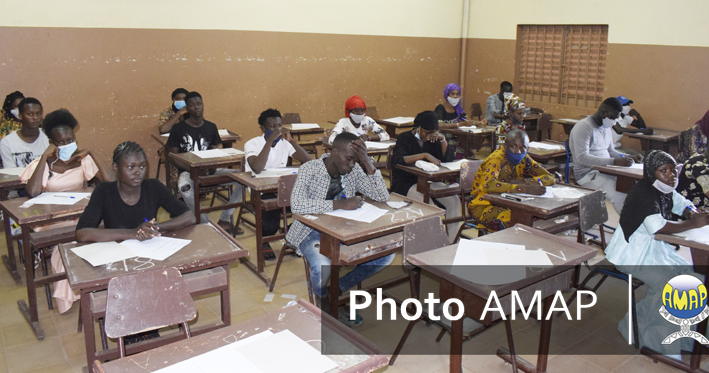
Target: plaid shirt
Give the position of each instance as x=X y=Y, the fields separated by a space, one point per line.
x=310 y=190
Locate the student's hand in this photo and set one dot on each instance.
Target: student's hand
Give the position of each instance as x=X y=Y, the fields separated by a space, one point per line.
x=637 y=158
x=181 y=112
x=274 y=135
x=81 y=154
x=51 y=151
x=633 y=113
x=285 y=132
x=623 y=161
x=352 y=203
x=360 y=150
x=647 y=131
x=483 y=122
x=534 y=189
x=699 y=219
x=432 y=159
x=364 y=137
x=147 y=230
x=436 y=136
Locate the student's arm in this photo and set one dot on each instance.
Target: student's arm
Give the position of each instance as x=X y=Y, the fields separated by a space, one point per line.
x=620 y=130
x=34 y=184
x=696 y=220
x=166 y=125
x=493 y=185
x=87 y=229
x=580 y=141
x=380 y=133
x=258 y=162
x=339 y=128
x=301 y=197
x=300 y=154
x=638 y=121
x=539 y=173
x=180 y=214
x=403 y=152
x=103 y=173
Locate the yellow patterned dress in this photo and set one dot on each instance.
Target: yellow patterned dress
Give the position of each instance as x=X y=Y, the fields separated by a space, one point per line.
x=496 y=175
x=9 y=125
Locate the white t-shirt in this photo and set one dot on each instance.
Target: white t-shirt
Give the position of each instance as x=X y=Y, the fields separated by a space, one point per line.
x=277 y=158
x=367 y=124
x=17 y=153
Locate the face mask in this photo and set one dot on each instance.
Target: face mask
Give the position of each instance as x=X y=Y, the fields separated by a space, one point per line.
x=357 y=118
x=179 y=105
x=626 y=109
x=65 y=151
x=417 y=134
x=15 y=112
x=664 y=188
x=514 y=158
x=507 y=95
x=268 y=133
x=453 y=101
x=608 y=122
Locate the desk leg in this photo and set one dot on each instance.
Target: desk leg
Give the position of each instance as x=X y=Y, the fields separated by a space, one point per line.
x=88 y=326
x=391 y=130
x=258 y=220
x=456 y=354
x=30 y=313
x=423 y=187
x=9 y=260
x=330 y=247
x=521 y=217
x=226 y=306
x=194 y=174
x=544 y=336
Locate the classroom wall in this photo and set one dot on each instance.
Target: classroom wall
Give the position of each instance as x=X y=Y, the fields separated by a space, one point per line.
x=114 y=64
x=656 y=53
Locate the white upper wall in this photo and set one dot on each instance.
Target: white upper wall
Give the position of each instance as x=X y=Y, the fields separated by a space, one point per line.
x=421 y=18
x=659 y=22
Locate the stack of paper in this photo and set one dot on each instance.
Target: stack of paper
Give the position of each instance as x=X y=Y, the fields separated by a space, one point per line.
x=697 y=234
x=211 y=153
x=232 y=151
x=471 y=129
x=378 y=145
x=367 y=213
x=509 y=261
x=568 y=193
x=276 y=172
x=56 y=198
x=223 y=133
x=545 y=146
x=635 y=166
x=304 y=126
x=455 y=165
x=156 y=248
x=400 y=120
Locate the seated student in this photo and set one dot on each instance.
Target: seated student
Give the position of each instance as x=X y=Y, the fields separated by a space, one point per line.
x=128 y=208
x=20 y=148
x=509 y=169
x=496 y=103
x=694 y=140
x=196 y=133
x=330 y=183
x=272 y=150
x=451 y=115
x=518 y=111
x=424 y=143
x=10 y=121
x=357 y=122
x=175 y=112
x=694 y=180
x=634 y=249
x=60 y=169
x=631 y=117
x=591 y=144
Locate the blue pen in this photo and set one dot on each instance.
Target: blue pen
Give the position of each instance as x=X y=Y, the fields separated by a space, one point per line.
x=148 y=221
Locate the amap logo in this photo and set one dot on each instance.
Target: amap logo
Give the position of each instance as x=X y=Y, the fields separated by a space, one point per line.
x=684 y=303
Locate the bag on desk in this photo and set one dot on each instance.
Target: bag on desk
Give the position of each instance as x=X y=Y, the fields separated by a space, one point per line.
x=426 y=166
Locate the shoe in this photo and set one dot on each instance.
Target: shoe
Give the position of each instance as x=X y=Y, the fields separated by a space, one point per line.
x=268 y=252
x=344 y=317
x=230 y=228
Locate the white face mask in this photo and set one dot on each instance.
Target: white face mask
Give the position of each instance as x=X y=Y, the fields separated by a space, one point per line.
x=608 y=122
x=453 y=101
x=626 y=109
x=664 y=188
x=15 y=112
x=357 y=118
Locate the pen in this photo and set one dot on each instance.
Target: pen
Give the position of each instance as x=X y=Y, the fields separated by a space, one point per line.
x=540 y=182
x=147 y=221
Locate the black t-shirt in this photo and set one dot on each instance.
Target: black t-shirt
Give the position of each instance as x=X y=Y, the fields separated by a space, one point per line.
x=407 y=144
x=107 y=206
x=188 y=138
x=334 y=189
x=448 y=117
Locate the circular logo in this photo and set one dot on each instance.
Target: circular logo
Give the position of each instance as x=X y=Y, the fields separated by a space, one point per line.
x=684 y=296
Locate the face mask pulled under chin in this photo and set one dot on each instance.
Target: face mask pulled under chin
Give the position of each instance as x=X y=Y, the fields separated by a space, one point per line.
x=357 y=118
x=664 y=188
x=453 y=101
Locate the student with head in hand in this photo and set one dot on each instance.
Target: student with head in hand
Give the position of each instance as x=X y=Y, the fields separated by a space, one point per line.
x=272 y=150
x=423 y=143
x=357 y=122
x=175 y=112
x=10 y=121
x=331 y=183
x=628 y=117
x=20 y=148
x=496 y=103
x=451 y=115
x=509 y=169
x=648 y=211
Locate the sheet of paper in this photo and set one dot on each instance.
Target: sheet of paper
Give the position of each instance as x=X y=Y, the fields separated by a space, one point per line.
x=102 y=253
x=304 y=126
x=294 y=355
x=547 y=194
x=455 y=165
x=158 y=248
x=12 y=171
x=223 y=133
x=268 y=297
x=398 y=204
x=637 y=166
x=697 y=234
x=566 y=192
x=56 y=198
x=400 y=120
x=568 y=120
x=545 y=146
x=276 y=172
x=378 y=145
x=211 y=153
x=496 y=263
x=232 y=151
x=367 y=213
x=288 y=296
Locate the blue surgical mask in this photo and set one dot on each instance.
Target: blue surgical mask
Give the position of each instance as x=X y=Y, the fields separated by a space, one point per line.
x=66 y=151
x=179 y=105
x=268 y=133
x=514 y=158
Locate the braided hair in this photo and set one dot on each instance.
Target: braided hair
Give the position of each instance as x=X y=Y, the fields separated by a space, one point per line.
x=126 y=148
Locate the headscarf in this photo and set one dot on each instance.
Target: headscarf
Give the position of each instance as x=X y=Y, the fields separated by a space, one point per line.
x=427 y=120
x=458 y=108
x=514 y=102
x=8 y=100
x=644 y=199
x=353 y=102
x=704 y=124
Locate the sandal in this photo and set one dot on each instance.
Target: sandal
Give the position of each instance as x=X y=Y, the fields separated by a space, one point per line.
x=268 y=253
x=344 y=317
x=230 y=228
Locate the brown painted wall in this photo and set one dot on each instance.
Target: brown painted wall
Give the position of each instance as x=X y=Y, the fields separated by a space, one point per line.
x=668 y=84
x=116 y=81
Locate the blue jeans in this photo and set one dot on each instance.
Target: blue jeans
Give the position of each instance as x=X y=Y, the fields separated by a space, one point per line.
x=310 y=247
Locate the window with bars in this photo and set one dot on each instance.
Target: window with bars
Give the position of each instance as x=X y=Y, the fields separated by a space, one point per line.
x=561 y=64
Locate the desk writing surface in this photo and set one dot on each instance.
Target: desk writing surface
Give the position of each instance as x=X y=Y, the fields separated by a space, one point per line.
x=370 y=151
x=350 y=231
x=657 y=135
x=565 y=253
x=189 y=159
x=37 y=213
x=208 y=247
x=260 y=184
x=9 y=180
x=354 y=352
x=633 y=173
x=541 y=207
x=547 y=152
x=305 y=131
x=443 y=173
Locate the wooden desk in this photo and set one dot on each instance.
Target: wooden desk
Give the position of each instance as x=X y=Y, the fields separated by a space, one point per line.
x=8 y=183
x=211 y=247
x=29 y=218
x=541 y=208
x=626 y=177
x=472 y=140
x=423 y=184
x=391 y=127
x=563 y=275
x=335 y=231
x=260 y=186
x=568 y=123
x=198 y=168
x=659 y=140
x=227 y=141
x=546 y=155
x=370 y=151
x=302 y=319
x=306 y=131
